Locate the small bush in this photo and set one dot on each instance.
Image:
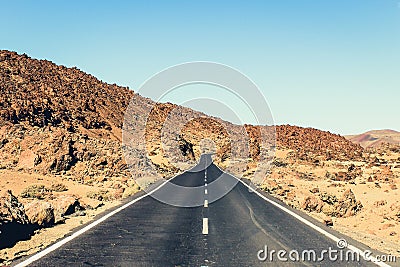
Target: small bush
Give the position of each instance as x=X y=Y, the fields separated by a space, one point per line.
x=279 y=163
x=58 y=187
x=130 y=191
x=38 y=191
x=99 y=195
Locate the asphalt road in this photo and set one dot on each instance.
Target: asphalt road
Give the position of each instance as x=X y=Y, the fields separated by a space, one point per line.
x=226 y=230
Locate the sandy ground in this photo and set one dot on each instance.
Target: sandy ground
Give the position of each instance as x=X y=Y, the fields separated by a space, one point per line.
x=47 y=236
x=376 y=225
x=17 y=182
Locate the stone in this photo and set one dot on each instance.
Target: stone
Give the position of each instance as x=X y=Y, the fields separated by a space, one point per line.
x=40 y=212
x=328 y=221
x=65 y=205
x=348 y=205
x=11 y=210
x=312 y=203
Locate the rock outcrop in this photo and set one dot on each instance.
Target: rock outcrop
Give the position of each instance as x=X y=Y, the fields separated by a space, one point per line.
x=14 y=224
x=312 y=203
x=347 y=205
x=11 y=210
x=330 y=205
x=64 y=206
x=40 y=212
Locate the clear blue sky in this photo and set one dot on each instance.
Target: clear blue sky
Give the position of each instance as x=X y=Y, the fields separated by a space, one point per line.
x=332 y=65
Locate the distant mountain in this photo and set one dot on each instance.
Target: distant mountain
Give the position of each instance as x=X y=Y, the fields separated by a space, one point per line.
x=375 y=138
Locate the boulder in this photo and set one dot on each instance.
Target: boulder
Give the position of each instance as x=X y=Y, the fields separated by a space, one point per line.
x=65 y=205
x=328 y=198
x=329 y=210
x=41 y=213
x=328 y=221
x=314 y=190
x=11 y=210
x=348 y=205
x=14 y=224
x=312 y=203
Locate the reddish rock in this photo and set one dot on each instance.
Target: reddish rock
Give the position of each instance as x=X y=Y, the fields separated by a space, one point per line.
x=314 y=190
x=65 y=205
x=380 y=203
x=40 y=212
x=328 y=221
x=348 y=205
x=312 y=203
x=11 y=210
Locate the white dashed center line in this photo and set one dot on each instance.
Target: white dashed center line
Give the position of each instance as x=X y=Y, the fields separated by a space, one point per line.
x=205 y=220
x=205 y=226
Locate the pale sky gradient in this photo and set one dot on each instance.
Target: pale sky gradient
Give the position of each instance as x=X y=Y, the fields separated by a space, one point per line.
x=332 y=65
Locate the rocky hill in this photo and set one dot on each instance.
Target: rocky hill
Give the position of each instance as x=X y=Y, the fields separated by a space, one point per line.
x=55 y=119
x=311 y=143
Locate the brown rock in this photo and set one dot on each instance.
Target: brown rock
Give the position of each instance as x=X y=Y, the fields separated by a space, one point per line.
x=380 y=203
x=310 y=142
x=40 y=212
x=118 y=193
x=329 y=210
x=314 y=190
x=290 y=196
x=328 y=198
x=28 y=159
x=72 y=122
x=11 y=210
x=312 y=203
x=348 y=205
x=328 y=221
x=272 y=186
x=65 y=205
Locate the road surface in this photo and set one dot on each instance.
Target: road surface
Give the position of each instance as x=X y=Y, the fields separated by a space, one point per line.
x=233 y=230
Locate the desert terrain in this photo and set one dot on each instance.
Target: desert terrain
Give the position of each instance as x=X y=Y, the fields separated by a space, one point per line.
x=62 y=160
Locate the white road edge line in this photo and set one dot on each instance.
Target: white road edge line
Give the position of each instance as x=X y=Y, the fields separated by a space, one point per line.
x=62 y=242
x=205 y=226
x=205 y=203
x=305 y=221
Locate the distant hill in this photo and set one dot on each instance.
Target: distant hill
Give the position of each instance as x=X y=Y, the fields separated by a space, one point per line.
x=375 y=138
